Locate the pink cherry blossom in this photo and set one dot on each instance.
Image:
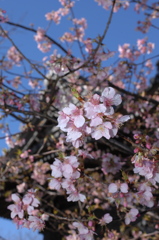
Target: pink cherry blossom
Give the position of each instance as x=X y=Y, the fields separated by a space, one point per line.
x=102 y=130
x=45 y=46
x=117 y=123
x=36 y=223
x=112 y=188
x=34 y=102
x=56 y=168
x=16 y=209
x=91 y=118
x=68 y=37
x=124 y=187
x=24 y=155
x=105 y=4
x=125 y=51
x=40 y=35
x=67 y=175
x=69 y=167
x=30 y=199
x=68 y=184
x=76 y=115
x=88 y=45
x=63 y=119
x=16 y=82
x=9 y=141
x=109 y=97
x=84 y=232
x=21 y=187
x=76 y=196
x=54 y=15
x=3 y=18
x=81 y=22
x=81 y=228
x=111 y=163
x=107 y=218
x=93 y=107
x=146 y=191
x=14 y=55
x=73 y=133
x=131 y=216
x=19 y=222
x=55 y=184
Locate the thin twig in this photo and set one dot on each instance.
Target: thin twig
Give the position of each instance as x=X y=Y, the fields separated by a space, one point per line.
x=31 y=64
x=137 y=96
x=35 y=31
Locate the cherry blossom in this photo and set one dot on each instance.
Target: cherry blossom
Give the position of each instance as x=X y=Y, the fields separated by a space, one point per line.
x=14 y=55
x=25 y=207
x=111 y=163
x=56 y=168
x=113 y=188
x=30 y=199
x=75 y=196
x=16 y=209
x=76 y=115
x=3 y=18
x=35 y=223
x=65 y=175
x=102 y=130
x=84 y=232
x=125 y=51
x=78 y=123
x=131 y=216
x=9 y=141
x=106 y=219
x=55 y=184
x=21 y=187
x=105 y=4
x=40 y=35
x=109 y=98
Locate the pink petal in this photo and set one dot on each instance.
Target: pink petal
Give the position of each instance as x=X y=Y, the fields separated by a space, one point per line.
x=79 y=121
x=124 y=187
x=15 y=197
x=96 y=121
x=117 y=99
x=108 y=92
x=112 y=188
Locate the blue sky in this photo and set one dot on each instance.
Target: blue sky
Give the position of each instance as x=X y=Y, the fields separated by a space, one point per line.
x=122 y=30
x=31 y=12
x=9 y=232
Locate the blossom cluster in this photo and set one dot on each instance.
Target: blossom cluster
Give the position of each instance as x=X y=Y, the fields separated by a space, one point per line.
x=111 y=163
x=144 y=160
x=131 y=216
x=65 y=175
x=86 y=233
x=106 y=4
x=44 y=44
x=24 y=213
x=11 y=143
x=3 y=18
x=79 y=31
x=14 y=55
x=143 y=47
x=94 y=118
x=56 y=15
x=39 y=172
x=145 y=25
